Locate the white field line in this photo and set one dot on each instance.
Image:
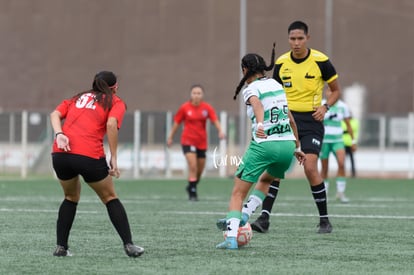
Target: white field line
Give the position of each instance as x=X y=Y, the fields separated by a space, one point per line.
x=300 y=215
x=208 y=199
x=41 y=210
x=370 y=202
x=224 y=213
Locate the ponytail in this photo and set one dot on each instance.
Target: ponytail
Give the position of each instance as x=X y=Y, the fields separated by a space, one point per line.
x=240 y=86
x=254 y=63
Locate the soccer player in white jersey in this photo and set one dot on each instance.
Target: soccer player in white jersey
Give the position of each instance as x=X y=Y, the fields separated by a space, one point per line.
x=333 y=143
x=274 y=143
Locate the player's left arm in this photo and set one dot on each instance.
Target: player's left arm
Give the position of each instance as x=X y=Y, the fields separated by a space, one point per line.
x=113 y=123
x=216 y=122
x=330 y=76
x=336 y=92
x=221 y=134
x=112 y=133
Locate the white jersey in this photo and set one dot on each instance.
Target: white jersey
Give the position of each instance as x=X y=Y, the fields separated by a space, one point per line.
x=333 y=121
x=273 y=98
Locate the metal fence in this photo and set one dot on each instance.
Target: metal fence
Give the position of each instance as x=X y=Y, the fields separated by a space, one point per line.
x=26 y=138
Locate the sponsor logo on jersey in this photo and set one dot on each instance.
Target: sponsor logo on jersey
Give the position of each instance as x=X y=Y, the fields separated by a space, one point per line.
x=308 y=76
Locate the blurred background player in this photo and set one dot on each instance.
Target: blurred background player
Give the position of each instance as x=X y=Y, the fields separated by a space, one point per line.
x=194 y=114
x=270 y=152
x=303 y=73
x=351 y=143
x=78 y=151
x=333 y=143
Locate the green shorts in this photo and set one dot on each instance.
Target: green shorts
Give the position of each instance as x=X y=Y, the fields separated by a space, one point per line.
x=333 y=147
x=274 y=157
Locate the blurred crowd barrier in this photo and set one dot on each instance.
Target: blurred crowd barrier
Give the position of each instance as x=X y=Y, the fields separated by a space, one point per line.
x=385 y=146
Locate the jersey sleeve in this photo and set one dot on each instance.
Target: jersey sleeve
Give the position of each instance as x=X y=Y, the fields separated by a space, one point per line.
x=248 y=92
x=212 y=115
x=117 y=111
x=276 y=73
x=179 y=116
x=327 y=70
x=278 y=64
x=63 y=107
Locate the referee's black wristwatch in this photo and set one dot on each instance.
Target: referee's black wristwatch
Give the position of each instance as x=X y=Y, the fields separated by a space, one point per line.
x=327 y=106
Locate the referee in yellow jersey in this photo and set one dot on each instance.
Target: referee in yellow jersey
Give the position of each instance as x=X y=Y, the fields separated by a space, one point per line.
x=303 y=73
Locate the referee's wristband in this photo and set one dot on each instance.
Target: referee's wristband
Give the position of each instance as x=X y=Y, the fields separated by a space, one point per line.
x=354 y=142
x=59 y=133
x=298 y=150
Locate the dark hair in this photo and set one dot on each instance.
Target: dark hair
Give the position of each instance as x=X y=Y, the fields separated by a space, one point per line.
x=101 y=86
x=196 y=86
x=298 y=25
x=254 y=64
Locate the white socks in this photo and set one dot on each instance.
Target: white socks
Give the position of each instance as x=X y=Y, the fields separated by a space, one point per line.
x=251 y=205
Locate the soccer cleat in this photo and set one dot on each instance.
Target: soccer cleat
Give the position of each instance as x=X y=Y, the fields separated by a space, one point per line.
x=192 y=194
x=193 y=197
x=222 y=224
x=341 y=197
x=324 y=226
x=133 y=250
x=229 y=243
x=261 y=225
x=61 y=251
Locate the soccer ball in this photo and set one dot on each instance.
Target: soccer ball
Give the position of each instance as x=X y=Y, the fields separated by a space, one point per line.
x=244 y=234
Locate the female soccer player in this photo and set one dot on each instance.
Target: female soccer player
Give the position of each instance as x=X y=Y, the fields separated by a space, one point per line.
x=270 y=152
x=194 y=114
x=333 y=143
x=78 y=151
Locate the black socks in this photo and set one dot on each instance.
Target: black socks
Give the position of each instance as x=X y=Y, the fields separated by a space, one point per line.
x=319 y=195
x=66 y=215
x=119 y=219
x=270 y=199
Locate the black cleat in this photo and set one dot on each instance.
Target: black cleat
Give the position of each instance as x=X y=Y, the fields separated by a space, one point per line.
x=261 y=225
x=193 y=197
x=324 y=226
x=192 y=194
x=133 y=250
x=222 y=224
x=61 y=251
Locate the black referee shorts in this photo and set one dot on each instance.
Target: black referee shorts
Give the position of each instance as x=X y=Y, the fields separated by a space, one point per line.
x=68 y=166
x=310 y=132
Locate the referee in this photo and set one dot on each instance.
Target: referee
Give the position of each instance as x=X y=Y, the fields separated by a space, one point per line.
x=303 y=73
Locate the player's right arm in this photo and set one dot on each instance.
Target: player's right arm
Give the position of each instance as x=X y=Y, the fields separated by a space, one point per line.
x=62 y=141
x=172 y=133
